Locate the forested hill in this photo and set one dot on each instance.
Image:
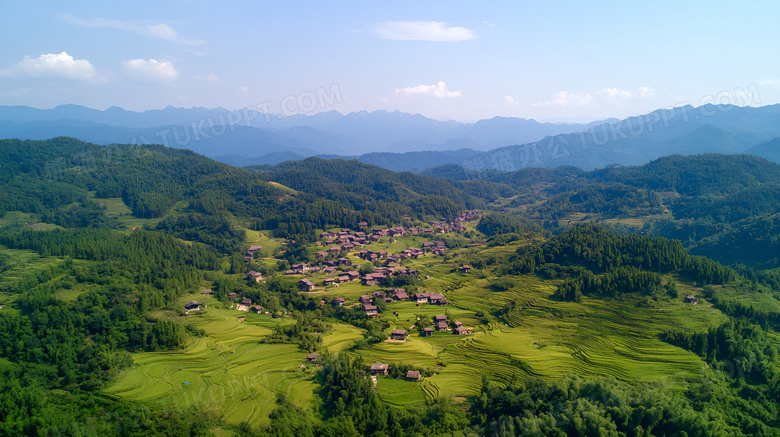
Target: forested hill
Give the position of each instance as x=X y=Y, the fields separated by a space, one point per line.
x=721 y=206
x=708 y=174
x=361 y=184
x=58 y=180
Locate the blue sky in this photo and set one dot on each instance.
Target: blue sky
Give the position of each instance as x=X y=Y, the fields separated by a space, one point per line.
x=447 y=60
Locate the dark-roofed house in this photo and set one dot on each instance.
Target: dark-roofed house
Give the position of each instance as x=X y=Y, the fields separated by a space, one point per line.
x=339 y=301
x=421 y=297
x=207 y=291
x=437 y=319
x=465 y=269
x=254 y=276
x=442 y=326
x=232 y=296
x=370 y=309
x=312 y=357
x=365 y=299
x=460 y=331
x=354 y=275
x=329 y=281
x=401 y=295
x=379 y=369
x=192 y=305
x=692 y=299
x=258 y=309
x=435 y=297
x=398 y=334
x=305 y=285
x=246 y=301
x=427 y=332
x=413 y=375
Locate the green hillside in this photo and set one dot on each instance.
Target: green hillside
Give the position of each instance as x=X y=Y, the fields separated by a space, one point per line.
x=127 y=309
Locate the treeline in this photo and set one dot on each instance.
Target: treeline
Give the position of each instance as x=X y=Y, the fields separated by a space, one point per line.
x=148 y=247
x=613 y=283
x=217 y=231
x=608 y=199
x=594 y=407
x=497 y=224
x=600 y=250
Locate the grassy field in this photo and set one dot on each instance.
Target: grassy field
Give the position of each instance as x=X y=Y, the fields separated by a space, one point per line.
x=228 y=371
x=341 y=337
x=18 y=264
x=399 y=392
x=17 y=219
x=116 y=208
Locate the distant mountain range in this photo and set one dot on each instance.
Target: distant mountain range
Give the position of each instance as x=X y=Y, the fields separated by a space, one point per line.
x=411 y=142
x=248 y=137
x=637 y=140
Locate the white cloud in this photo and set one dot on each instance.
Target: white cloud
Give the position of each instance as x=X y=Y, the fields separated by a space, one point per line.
x=438 y=90
x=150 y=70
x=614 y=94
x=565 y=98
x=510 y=101
x=242 y=90
x=159 y=30
x=54 y=65
x=645 y=92
x=422 y=31
x=606 y=95
x=212 y=77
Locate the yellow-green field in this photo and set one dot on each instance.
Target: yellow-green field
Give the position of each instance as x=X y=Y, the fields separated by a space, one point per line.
x=19 y=219
x=116 y=208
x=232 y=373
x=229 y=371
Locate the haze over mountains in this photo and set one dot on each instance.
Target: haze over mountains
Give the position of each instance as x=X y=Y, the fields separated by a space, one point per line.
x=411 y=142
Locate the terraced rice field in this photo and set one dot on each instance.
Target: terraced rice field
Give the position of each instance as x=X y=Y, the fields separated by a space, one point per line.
x=228 y=371
x=341 y=337
x=545 y=338
x=399 y=392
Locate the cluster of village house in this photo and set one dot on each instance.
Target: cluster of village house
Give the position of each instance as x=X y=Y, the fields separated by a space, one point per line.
x=345 y=241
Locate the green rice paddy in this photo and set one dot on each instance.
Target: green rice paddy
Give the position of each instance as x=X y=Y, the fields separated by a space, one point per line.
x=229 y=371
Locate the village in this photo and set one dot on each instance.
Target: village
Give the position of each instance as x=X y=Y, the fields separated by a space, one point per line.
x=346 y=261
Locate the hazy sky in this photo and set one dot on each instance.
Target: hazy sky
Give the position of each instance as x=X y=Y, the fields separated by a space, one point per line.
x=446 y=60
